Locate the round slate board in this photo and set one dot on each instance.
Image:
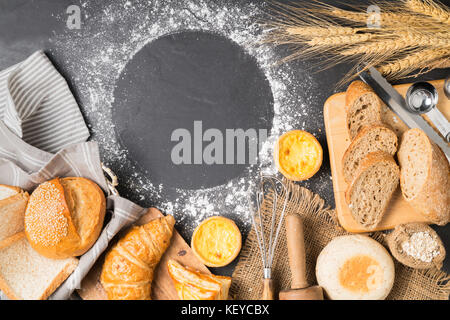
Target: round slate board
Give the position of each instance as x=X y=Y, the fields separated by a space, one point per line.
x=179 y=79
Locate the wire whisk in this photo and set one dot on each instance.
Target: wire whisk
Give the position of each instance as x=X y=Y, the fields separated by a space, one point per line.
x=268 y=185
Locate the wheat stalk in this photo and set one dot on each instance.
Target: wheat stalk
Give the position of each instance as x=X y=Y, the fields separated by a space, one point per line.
x=340 y=40
x=413 y=61
x=319 y=31
x=414 y=36
x=441 y=63
x=429 y=8
x=403 y=40
x=388 y=19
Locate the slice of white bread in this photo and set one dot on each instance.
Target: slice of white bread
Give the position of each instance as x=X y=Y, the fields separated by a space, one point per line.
x=13 y=202
x=25 y=274
x=363 y=107
x=369 y=193
x=370 y=138
x=424 y=177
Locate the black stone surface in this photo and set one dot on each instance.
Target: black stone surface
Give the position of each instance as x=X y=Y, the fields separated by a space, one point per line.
x=27 y=26
x=187 y=77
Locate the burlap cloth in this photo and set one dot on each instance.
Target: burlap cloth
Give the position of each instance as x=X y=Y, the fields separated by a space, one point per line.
x=320 y=226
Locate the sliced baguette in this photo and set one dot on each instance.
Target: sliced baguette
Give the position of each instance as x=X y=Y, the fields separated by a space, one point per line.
x=370 y=138
x=363 y=107
x=13 y=202
x=26 y=275
x=402 y=233
x=424 y=177
x=369 y=193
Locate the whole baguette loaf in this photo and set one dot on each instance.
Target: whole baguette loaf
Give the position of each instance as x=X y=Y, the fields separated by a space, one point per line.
x=369 y=139
x=424 y=177
x=369 y=193
x=127 y=272
x=13 y=202
x=363 y=107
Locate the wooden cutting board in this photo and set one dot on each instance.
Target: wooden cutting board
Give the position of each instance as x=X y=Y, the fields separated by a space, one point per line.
x=162 y=286
x=399 y=211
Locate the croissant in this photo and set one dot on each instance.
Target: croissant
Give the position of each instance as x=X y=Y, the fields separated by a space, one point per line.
x=127 y=272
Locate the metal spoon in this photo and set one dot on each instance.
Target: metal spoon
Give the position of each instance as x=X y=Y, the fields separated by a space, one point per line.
x=422 y=98
x=447 y=86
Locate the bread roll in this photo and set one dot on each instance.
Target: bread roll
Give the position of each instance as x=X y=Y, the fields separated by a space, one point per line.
x=13 y=202
x=363 y=107
x=355 y=267
x=64 y=217
x=424 y=176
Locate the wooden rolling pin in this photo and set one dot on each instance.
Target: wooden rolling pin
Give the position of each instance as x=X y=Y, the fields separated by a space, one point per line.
x=300 y=289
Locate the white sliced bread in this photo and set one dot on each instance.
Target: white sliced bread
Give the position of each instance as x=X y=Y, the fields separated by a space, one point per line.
x=369 y=139
x=363 y=107
x=369 y=193
x=13 y=202
x=25 y=274
x=424 y=177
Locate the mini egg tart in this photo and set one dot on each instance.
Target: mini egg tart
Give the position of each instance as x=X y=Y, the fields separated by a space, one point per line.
x=298 y=155
x=216 y=241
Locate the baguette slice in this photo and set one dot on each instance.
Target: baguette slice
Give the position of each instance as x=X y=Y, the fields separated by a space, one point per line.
x=363 y=107
x=26 y=275
x=369 y=139
x=424 y=177
x=404 y=233
x=13 y=202
x=372 y=188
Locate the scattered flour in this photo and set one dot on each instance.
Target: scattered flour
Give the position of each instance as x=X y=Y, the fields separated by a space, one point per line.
x=113 y=33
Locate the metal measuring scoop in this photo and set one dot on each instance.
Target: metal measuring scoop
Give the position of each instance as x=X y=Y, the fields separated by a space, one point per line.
x=422 y=98
x=447 y=87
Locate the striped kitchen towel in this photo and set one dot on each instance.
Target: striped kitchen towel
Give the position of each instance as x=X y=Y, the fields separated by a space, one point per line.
x=37 y=105
x=26 y=166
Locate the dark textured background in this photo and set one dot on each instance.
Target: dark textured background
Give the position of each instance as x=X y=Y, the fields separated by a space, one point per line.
x=26 y=26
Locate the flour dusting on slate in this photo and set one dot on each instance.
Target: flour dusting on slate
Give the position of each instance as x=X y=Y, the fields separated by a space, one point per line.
x=112 y=35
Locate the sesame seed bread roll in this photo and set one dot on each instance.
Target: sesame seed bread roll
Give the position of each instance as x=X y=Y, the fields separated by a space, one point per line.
x=64 y=217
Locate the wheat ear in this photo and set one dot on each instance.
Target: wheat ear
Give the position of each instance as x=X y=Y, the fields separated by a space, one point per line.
x=405 y=39
x=340 y=40
x=388 y=19
x=413 y=61
x=429 y=8
x=319 y=31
